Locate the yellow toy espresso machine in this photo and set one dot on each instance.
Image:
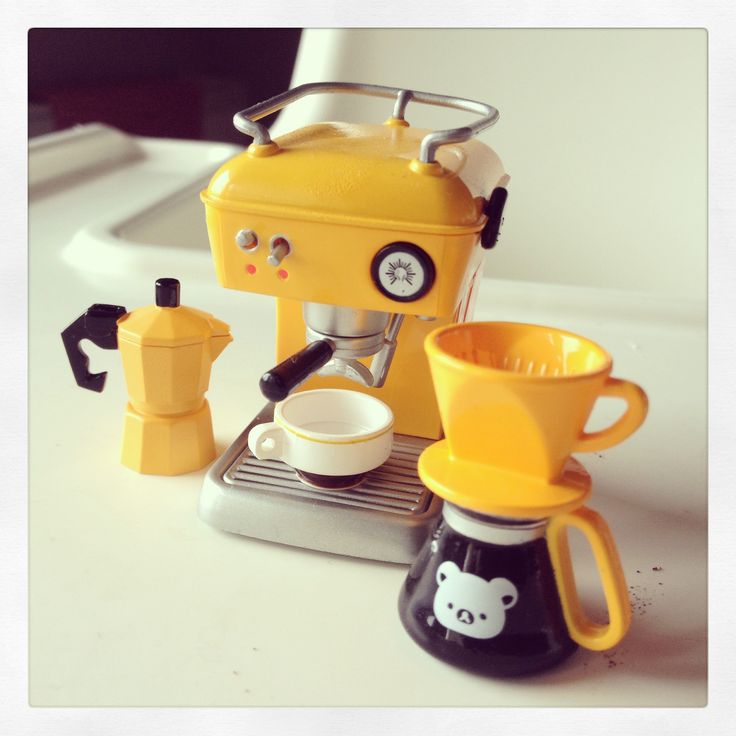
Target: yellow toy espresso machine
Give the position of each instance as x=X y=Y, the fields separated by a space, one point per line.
x=369 y=236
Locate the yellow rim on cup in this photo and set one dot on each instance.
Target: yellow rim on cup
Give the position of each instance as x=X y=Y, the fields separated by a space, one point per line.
x=317 y=438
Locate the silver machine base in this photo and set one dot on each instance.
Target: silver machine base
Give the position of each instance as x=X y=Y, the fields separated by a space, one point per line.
x=387 y=517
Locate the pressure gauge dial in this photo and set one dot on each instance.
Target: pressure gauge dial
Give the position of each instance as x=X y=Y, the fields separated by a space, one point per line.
x=402 y=272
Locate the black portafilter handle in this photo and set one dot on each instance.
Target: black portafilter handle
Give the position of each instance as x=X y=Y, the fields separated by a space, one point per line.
x=98 y=324
x=278 y=383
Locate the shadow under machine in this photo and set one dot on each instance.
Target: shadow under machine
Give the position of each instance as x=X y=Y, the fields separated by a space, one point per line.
x=369 y=236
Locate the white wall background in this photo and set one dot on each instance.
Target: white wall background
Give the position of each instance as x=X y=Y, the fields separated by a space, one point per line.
x=604 y=134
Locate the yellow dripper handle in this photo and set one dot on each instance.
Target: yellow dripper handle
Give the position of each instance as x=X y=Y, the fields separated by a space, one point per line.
x=627 y=424
x=585 y=632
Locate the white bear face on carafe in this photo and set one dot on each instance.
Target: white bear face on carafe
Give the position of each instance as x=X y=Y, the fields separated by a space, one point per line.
x=469 y=605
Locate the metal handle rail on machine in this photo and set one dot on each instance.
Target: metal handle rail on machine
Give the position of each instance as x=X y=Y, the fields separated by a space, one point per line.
x=245 y=120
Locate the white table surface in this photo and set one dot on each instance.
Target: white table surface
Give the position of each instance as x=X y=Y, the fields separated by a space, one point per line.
x=135 y=601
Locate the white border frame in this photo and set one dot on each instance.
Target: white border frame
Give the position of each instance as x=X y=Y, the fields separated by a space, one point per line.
x=717 y=17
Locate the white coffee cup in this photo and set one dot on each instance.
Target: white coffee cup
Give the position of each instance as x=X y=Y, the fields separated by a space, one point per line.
x=331 y=437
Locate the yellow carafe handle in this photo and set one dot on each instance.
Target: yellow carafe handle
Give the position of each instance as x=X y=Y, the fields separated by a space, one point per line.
x=582 y=630
x=635 y=413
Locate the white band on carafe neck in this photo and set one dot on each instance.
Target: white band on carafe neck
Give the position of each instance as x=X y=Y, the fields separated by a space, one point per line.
x=493 y=530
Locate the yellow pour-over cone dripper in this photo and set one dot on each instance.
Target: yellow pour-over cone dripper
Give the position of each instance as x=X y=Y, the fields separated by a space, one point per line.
x=517 y=396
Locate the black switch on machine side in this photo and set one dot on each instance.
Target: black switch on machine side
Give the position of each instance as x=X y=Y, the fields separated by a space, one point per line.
x=493 y=210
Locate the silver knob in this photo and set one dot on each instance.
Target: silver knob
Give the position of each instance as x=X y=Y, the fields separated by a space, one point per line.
x=246 y=240
x=280 y=248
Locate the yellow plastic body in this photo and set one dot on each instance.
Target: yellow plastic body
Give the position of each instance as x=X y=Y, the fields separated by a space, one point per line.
x=582 y=630
x=168 y=445
x=517 y=396
x=339 y=193
x=167 y=354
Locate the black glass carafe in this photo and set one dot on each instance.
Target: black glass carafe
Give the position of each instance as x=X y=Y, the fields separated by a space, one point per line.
x=482 y=596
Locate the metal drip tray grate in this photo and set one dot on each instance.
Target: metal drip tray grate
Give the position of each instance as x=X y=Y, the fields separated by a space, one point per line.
x=394 y=487
x=387 y=516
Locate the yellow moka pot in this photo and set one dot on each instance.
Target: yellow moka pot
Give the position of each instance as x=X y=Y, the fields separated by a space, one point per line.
x=167 y=352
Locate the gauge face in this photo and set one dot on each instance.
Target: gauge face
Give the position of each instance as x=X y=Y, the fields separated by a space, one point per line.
x=402 y=272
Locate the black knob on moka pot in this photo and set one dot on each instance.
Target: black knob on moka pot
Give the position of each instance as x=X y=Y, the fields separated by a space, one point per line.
x=168 y=292
x=280 y=381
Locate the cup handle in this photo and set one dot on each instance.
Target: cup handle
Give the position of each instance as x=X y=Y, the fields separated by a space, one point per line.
x=582 y=630
x=266 y=441
x=626 y=425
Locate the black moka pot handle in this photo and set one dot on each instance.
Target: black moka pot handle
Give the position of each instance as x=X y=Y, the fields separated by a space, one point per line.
x=278 y=383
x=98 y=324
